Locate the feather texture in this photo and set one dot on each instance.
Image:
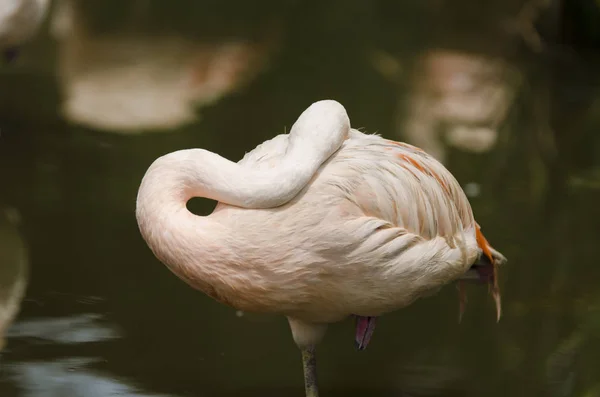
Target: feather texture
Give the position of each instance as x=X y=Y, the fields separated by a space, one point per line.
x=379 y=224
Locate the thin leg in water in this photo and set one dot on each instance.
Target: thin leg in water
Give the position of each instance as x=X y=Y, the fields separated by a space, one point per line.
x=307 y=336
x=309 y=363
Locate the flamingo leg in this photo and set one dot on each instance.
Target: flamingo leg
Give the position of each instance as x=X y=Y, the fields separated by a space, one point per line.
x=309 y=363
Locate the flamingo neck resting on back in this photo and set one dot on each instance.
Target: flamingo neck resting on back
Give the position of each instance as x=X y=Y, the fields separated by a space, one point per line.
x=200 y=173
x=317 y=225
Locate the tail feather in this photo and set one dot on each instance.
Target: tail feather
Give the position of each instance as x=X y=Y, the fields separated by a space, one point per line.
x=484 y=270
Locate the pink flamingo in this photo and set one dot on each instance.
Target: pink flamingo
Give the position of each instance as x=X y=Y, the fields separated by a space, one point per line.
x=318 y=225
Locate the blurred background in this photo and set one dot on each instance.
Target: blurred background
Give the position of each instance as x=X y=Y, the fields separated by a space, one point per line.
x=505 y=93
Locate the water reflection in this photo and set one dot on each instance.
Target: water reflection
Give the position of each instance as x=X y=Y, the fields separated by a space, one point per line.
x=73 y=377
x=65 y=375
x=455 y=99
x=14 y=270
x=131 y=81
x=70 y=329
x=19 y=21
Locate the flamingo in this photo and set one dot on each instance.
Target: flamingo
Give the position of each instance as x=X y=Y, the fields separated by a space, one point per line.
x=320 y=224
x=19 y=21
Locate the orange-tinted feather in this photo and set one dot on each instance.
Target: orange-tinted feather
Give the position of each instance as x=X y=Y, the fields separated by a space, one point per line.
x=426 y=170
x=483 y=243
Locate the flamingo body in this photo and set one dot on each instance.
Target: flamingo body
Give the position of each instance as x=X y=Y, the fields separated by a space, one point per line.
x=374 y=225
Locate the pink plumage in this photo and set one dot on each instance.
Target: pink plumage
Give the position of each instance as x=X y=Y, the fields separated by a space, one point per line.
x=318 y=225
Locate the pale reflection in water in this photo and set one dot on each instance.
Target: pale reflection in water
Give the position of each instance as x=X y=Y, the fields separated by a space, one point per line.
x=456 y=99
x=71 y=329
x=19 y=22
x=71 y=377
x=14 y=269
x=459 y=99
x=132 y=82
x=67 y=376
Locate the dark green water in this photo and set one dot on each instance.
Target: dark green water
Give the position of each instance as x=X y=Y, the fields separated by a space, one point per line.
x=102 y=317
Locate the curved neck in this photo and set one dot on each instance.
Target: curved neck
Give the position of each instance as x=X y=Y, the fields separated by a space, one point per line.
x=317 y=134
x=200 y=173
x=198 y=248
x=201 y=250
x=193 y=247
